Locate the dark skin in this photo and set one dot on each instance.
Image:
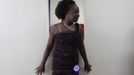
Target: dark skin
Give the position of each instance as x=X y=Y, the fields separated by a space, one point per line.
x=71 y=16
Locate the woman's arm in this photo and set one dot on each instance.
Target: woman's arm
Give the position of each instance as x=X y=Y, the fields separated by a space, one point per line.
x=49 y=46
x=41 y=67
x=83 y=52
x=82 y=47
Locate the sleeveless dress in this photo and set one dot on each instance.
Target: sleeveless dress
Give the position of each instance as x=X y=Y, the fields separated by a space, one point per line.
x=65 y=53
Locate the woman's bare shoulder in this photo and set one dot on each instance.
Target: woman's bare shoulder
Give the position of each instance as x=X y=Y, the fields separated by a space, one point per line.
x=53 y=28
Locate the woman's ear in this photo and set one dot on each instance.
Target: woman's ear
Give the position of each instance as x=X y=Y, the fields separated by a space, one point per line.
x=66 y=16
x=67 y=13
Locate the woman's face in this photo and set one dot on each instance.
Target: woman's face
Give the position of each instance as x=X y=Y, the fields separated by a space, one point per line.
x=73 y=14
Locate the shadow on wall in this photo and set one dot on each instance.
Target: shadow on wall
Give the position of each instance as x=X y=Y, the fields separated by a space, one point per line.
x=131 y=65
x=48 y=66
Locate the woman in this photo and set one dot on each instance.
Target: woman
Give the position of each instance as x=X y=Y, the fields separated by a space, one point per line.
x=65 y=39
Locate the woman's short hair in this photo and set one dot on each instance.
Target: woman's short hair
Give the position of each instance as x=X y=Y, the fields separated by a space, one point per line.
x=63 y=7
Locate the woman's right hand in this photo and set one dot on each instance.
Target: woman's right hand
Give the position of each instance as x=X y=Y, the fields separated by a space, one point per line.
x=88 y=67
x=40 y=69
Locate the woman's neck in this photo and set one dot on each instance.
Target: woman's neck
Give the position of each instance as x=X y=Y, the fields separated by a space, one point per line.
x=67 y=22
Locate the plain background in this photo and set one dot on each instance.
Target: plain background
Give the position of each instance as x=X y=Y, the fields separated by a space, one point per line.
x=109 y=36
x=23 y=35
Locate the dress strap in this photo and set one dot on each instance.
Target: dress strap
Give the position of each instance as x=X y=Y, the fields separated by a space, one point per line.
x=77 y=27
x=58 y=29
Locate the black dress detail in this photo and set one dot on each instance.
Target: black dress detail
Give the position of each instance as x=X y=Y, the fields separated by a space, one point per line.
x=65 y=55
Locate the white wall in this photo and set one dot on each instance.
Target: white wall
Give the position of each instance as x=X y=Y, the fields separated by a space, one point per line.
x=23 y=35
x=110 y=36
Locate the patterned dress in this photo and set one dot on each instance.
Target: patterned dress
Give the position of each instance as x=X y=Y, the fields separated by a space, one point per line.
x=65 y=55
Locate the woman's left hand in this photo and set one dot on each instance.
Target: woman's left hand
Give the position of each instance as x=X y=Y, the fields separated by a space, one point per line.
x=87 y=67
